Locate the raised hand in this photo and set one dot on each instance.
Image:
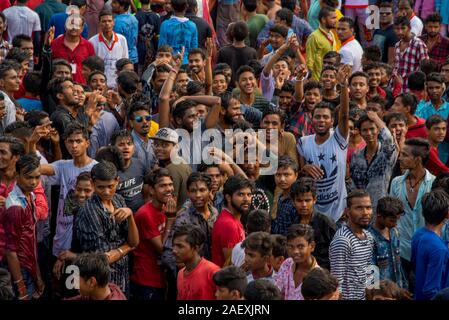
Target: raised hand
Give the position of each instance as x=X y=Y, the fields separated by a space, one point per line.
x=49 y=36
x=177 y=59
x=343 y=74
x=209 y=47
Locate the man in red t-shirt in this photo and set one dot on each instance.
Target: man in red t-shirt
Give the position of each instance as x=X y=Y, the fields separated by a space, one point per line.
x=147 y=278
x=195 y=280
x=228 y=230
x=436 y=128
x=406 y=103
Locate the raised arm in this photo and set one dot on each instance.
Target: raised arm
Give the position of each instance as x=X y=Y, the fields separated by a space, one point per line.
x=208 y=69
x=343 y=115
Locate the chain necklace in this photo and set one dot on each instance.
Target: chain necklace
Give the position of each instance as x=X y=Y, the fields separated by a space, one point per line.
x=412 y=187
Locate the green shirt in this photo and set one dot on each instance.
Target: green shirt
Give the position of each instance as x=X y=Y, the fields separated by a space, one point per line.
x=255 y=25
x=316 y=47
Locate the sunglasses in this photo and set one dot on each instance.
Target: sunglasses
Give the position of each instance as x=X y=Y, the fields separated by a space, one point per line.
x=139 y=119
x=385 y=13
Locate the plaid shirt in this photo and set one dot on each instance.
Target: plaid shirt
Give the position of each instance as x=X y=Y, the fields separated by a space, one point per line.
x=286 y=216
x=439 y=52
x=408 y=61
x=300 y=123
x=4 y=49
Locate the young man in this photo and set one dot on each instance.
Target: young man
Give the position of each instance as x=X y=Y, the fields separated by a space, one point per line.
x=321 y=41
x=94 y=274
x=409 y=50
x=430 y=255
x=359 y=88
x=255 y=21
x=228 y=230
x=127 y=25
x=31 y=84
x=320 y=284
x=374 y=79
x=301 y=121
x=405 y=9
x=384 y=37
x=237 y=54
x=303 y=194
x=104 y=224
x=178 y=31
x=231 y=283
x=351 y=250
x=22 y=20
x=195 y=279
x=25 y=43
x=148 y=37
x=410 y=188
x=200 y=19
x=436 y=128
x=147 y=277
x=109 y=46
x=324 y=152
x=262 y=289
x=20 y=218
x=437 y=45
x=329 y=81
x=286 y=175
x=64 y=173
x=277 y=37
x=386 y=240
x=372 y=166
x=73 y=48
x=258 y=248
x=406 y=103
x=9 y=85
x=197 y=65
x=351 y=51
x=58 y=20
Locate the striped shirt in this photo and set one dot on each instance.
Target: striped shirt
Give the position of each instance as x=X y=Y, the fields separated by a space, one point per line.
x=350 y=259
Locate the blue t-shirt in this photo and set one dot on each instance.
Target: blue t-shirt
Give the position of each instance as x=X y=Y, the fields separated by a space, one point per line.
x=128 y=26
x=30 y=104
x=58 y=21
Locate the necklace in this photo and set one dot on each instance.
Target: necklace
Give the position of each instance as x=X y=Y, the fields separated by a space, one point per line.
x=412 y=187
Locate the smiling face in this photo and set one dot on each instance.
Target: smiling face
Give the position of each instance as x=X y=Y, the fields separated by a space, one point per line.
x=199 y=194
x=300 y=250
x=83 y=191
x=276 y=40
x=196 y=63
x=246 y=82
x=311 y=98
x=219 y=84
x=163 y=190
x=375 y=77
x=10 y=82
x=329 y=79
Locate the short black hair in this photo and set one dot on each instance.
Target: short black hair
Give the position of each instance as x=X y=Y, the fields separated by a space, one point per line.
x=420 y=148
x=372 y=65
x=433 y=17
x=359 y=74
x=427 y=66
x=389 y=207
x=372 y=53
x=94 y=73
x=435 y=77
x=27 y=164
x=197 y=51
x=17 y=41
x=258 y=220
x=327 y=68
x=274 y=110
x=378 y=100
x=257 y=67
x=121 y=63
x=32 y=82
x=121 y=134
x=231 y=278
x=16 y=146
x=286 y=161
x=318 y=283
x=240 y=30
x=55 y=86
x=128 y=81
x=105 y=12
x=285 y=15
x=300 y=230
x=288 y=86
x=398 y=116
x=408 y=100
x=60 y=62
x=435 y=207
x=111 y=154
x=362 y=120
x=332 y=55
x=179 y=5
x=236 y=183
x=434 y=120
x=75 y=128
x=280 y=29
x=195 y=236
x=244 y=69
x=250 y=5
x=289 y=4
x=262 y=289
x=356 y=194
x=6 y=290
x=313 y=84
x=324 y=105
x=303 y=185
x=279 y=246
x=93 y=265
x=199 y=177
x=94 y=63
x=194 y=87
x=104 y=171
x=83 y=176
x=401 y=21
x=153 y=177
x=347 y=20
x=18 y=55
x=124 y=3
x=260 y=242
x=5 y=67
x=34 y=117
x=325 y=12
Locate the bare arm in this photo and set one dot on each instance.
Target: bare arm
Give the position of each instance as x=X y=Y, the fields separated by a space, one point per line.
x=47 y=170
x=391 y=55
x=213 y=115
x=208 y=69
x=343 y=115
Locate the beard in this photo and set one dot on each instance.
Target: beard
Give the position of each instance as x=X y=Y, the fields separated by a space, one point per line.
x=239 y=209
x=228 y=119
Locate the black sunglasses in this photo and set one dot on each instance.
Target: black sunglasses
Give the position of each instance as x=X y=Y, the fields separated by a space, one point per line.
x=139 y=119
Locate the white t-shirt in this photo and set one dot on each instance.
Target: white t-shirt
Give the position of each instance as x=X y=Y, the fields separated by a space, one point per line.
x=416 y=25
x=21 y=20
x=65 y=176
x=351 y=54
x=119 y=50
x=238 y=255
x=331 y=158
x=10 y=116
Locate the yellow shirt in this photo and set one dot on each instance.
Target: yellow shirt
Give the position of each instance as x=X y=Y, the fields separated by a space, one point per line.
x=318 y=44
x=154 y=127
x=334 y=31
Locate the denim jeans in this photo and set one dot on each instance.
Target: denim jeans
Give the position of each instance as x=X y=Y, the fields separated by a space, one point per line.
x=145 y=293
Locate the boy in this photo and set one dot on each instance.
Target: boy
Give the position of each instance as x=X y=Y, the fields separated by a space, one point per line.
x=301 y=121
x=31 y=83
x=430 y=254
x=377 y=105
x=19 y=222
x=436 y=129
x=358 y=85
x=258 y=249
x=329 y=81
x=303 y=195
x=231 y=283
x=320 y=284
x=94 y=276
x=386 y=240
x=178 y=31
x=195 y=279
x=279 y=252
x=286 y=175
x=147 y=41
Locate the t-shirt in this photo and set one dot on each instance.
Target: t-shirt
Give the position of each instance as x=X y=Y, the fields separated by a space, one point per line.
x=127 y=25
x=203 y=28
x=418 y=130
x=131 y=184
x=331 y=158
x=385 y=39
x=351 y=54
x=65 y=176
x=21 y=20
x=417 y=26
x=58 y=20
x=198 y=284
x=30 y=103
x=226 y=233
x=180 y=173
x=149 y=25
x=147 y=270
x=235 y=58
x=255 y=25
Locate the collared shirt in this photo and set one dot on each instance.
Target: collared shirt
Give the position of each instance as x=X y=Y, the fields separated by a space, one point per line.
x=285 y=217
x=20 y=228
x=301 y=123
x=408 y=61
x=375 y=177
x=413 y=219
x=439 y=52
x=4 y=49
x=97 y=230
x=144 y=151
x=318 y=44
x=351 y=54
x=386 y=256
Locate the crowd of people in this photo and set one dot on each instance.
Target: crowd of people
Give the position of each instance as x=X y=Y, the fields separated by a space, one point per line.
x=230 y=150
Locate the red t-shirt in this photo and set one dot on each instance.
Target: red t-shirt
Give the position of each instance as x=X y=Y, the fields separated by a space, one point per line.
x=418 y=130
x=198 y=284
x=151 y=224
x=75 y=58
x=435 y=165
x=226 y=233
